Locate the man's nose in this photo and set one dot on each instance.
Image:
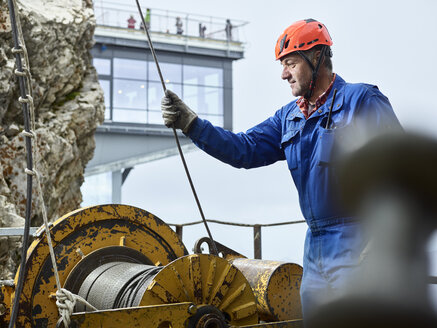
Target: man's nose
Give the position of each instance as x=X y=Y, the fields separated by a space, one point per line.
x=285 y=73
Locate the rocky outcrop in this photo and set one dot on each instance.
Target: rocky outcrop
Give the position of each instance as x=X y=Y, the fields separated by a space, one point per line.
x=68 y=107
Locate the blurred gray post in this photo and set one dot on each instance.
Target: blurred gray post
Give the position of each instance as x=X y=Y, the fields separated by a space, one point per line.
x=179 y=229
x=257 y=241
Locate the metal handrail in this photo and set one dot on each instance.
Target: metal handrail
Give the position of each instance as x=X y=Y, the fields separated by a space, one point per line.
x=114 y=14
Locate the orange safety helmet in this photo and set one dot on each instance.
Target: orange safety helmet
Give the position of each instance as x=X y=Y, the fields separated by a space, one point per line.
x=302 y=35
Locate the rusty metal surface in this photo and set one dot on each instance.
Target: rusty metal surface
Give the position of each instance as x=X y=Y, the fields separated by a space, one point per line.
x=159 y=316
x=79 y=233
x=205 y=280
x=276 y=287
x=6 y=293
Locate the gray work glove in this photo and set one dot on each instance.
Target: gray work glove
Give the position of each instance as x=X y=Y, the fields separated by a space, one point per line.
x=175 y=113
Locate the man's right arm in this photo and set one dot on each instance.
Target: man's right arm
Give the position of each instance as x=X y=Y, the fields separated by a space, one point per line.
x=259 y=146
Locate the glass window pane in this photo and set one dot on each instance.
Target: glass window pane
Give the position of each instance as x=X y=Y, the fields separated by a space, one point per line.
x=129 y=115
x=204 y=100
x=129 y=68
x=203 y=75
x=156 y=94
x=97 y=189
x=172 y=73
x=129 y=94
x=106 y=94
x=155 y=117
x=103 y=66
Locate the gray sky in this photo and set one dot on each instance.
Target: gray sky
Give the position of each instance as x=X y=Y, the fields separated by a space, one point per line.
x=388 y=43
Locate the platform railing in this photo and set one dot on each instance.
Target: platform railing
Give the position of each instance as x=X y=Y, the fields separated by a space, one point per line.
x=113 y=14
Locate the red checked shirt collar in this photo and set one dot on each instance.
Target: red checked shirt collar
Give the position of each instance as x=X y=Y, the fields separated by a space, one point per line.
x=304 y=105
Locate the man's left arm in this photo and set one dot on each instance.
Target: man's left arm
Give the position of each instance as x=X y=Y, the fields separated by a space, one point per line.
x=375 y=116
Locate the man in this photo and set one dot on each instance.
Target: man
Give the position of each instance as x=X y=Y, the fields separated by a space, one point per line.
x=302 y=132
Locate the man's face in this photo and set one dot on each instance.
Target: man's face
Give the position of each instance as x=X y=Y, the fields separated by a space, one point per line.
x=297 y=72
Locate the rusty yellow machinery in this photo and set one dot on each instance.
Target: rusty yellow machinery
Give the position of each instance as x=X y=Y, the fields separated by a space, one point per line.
x=136 y=271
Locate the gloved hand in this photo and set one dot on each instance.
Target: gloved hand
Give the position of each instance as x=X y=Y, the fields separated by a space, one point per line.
x=176 y=113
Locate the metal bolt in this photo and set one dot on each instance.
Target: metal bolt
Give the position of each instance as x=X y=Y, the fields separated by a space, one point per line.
x=80 y=253
x=192 y=309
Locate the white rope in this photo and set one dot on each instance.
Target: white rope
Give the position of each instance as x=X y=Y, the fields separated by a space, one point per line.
x=65 y=300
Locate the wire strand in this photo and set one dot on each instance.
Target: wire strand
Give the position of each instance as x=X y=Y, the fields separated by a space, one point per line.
x=187 y=172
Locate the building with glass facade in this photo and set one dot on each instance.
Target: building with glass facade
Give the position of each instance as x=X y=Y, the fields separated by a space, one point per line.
x=196 y=64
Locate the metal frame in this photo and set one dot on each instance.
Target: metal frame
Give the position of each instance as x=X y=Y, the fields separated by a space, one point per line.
x=114 y=51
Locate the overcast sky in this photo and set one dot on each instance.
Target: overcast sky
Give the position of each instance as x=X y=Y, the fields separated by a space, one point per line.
x=388 y=43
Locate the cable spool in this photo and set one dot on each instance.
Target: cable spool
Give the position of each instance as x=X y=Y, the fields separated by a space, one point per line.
x=217 y=288
x=84 y=240
x=116 y=285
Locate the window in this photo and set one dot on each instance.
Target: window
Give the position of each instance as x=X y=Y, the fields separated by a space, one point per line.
x=103 y=66
x=133 y=89
x=97 y=189
x=203 y=75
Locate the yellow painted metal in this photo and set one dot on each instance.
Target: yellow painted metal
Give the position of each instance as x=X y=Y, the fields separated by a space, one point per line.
x=298 y=323
x=276 y=287
x=204 y=280
x=88 y=230
x=6 y=293
x=159 y=316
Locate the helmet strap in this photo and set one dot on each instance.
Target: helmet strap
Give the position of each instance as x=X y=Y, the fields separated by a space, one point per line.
x=315 y=71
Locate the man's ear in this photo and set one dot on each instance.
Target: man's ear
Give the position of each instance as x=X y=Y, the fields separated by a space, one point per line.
x=316 y=57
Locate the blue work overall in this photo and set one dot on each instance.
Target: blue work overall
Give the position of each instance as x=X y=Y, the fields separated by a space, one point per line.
x=333 y=241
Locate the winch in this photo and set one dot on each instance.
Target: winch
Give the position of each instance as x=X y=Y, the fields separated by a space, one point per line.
x=134 y=269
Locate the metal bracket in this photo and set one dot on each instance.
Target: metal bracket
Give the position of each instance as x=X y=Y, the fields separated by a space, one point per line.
x=223 y=251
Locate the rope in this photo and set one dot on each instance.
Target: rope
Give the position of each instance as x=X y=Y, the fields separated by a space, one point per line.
x=65 y=300
x=237 y=224
x=18 y=51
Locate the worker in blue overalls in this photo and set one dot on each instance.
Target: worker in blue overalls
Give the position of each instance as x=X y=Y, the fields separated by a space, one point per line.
x=302 y=133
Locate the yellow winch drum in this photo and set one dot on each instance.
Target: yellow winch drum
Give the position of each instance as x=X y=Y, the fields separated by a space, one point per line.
x=276 y=287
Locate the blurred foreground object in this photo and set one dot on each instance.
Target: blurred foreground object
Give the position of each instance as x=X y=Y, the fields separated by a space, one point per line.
x=391 y=183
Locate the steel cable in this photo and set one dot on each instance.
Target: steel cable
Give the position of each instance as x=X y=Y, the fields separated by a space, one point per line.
x=131 y=294
x=146 y=29
x=29 y=160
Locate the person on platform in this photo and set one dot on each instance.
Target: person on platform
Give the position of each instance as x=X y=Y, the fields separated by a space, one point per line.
x=178 y=25
x=304 y=132
x=228 y=30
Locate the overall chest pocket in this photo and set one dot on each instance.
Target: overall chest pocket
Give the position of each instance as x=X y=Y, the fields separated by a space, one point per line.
x=325 y=146
x=289 y=144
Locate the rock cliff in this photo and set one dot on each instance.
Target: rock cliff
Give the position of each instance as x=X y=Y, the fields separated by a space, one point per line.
x=69 y=105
